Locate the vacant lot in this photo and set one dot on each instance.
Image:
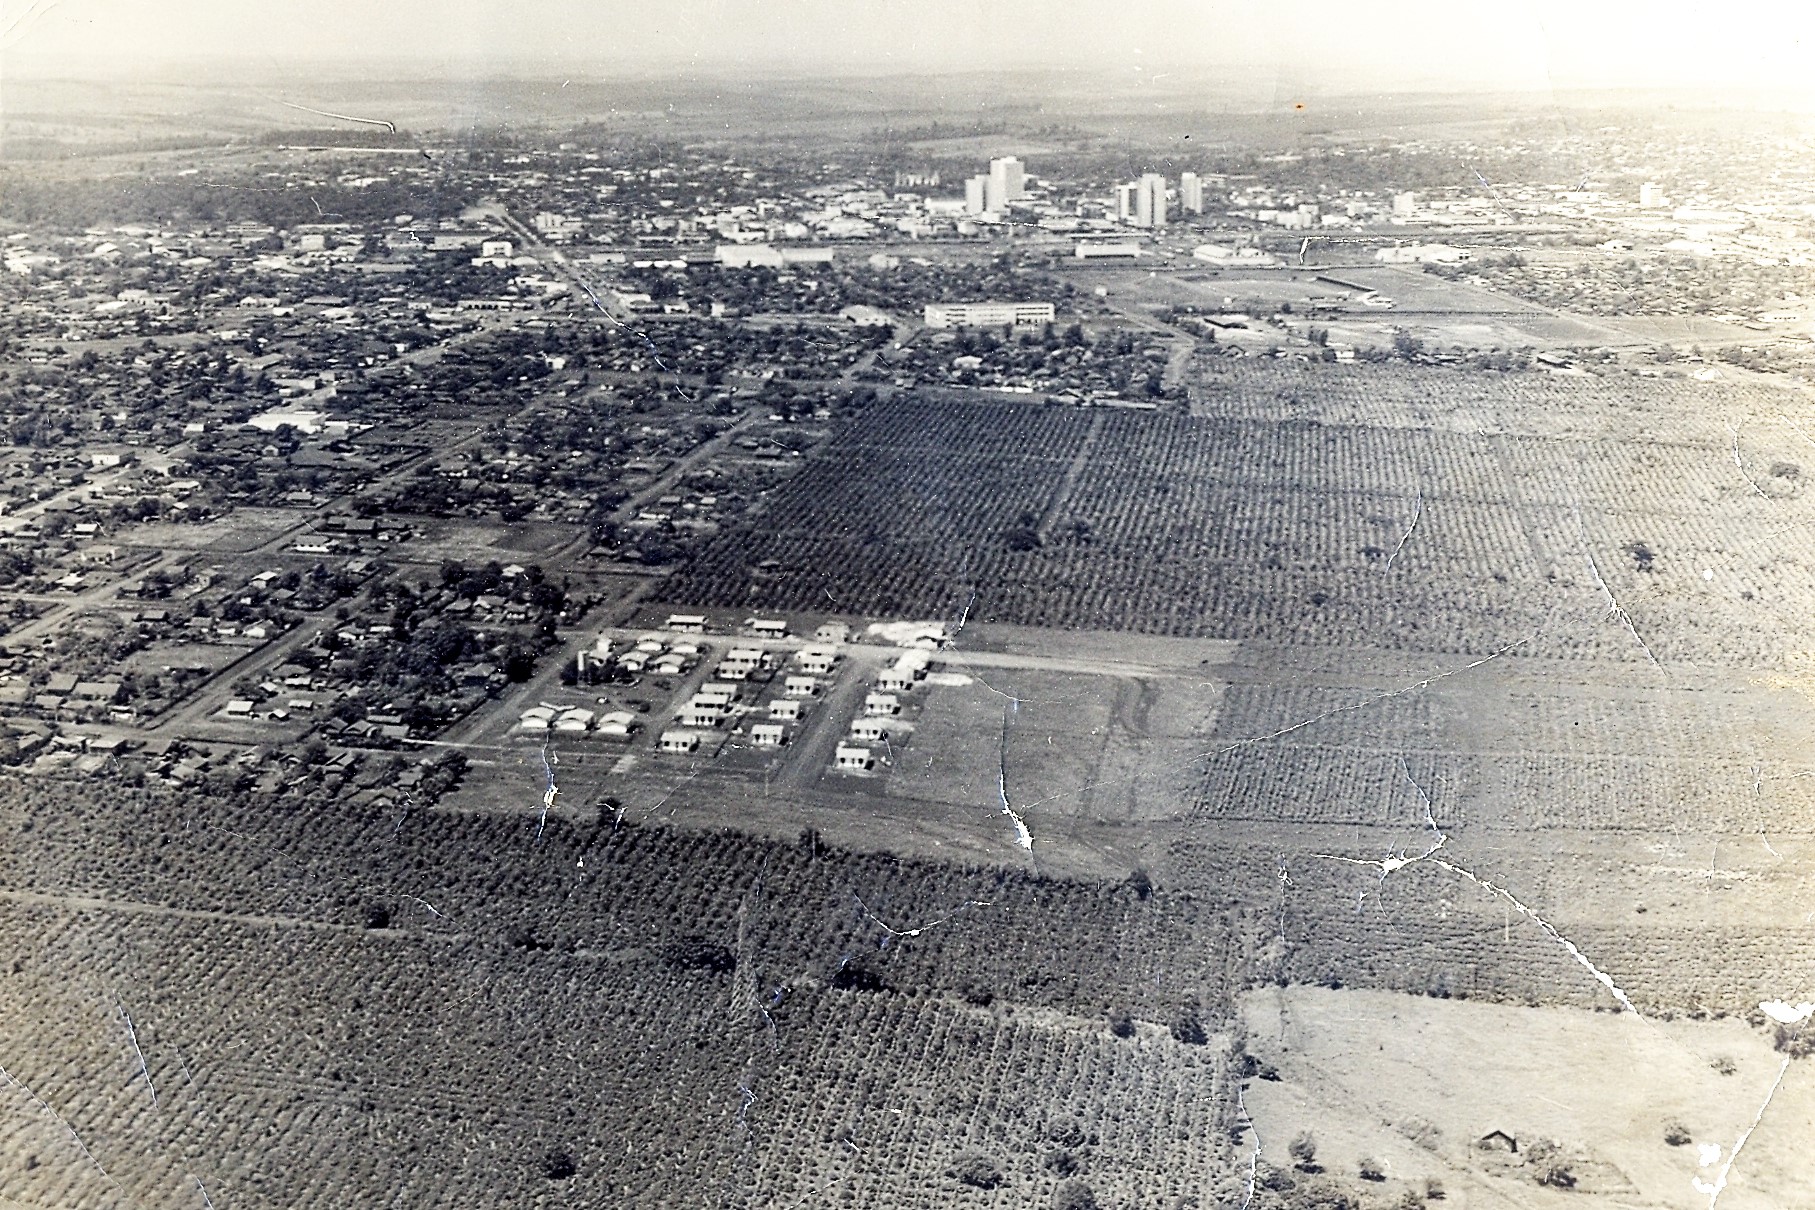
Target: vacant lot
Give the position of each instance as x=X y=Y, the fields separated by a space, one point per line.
x=477 y=542
x=1378 y=1075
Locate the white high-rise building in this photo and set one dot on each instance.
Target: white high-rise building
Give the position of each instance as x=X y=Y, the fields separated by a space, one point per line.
x=976 y=195
x=1404 y=205
x=1190 y=193
x=1007 y=181
x=1651 y=195
x=1150 y=201
x=1125 y=201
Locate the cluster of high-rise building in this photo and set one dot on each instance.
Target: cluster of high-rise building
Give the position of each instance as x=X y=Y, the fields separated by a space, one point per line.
x=1145 y=203
x=1149 y=202
x=993 y=191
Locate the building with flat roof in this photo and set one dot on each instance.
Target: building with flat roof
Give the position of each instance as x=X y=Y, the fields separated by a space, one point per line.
x=988 y=314
x=1097 y=250
x=1150 y=200
x=1005 y=184
x=1190 y=193
x=976 y=194
x=852 y=758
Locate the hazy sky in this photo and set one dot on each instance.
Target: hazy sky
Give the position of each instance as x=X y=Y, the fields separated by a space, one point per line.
x=1537 y=44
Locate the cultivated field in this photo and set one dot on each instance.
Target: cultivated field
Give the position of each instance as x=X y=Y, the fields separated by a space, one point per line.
x=308 y=1004
x=1437 y=511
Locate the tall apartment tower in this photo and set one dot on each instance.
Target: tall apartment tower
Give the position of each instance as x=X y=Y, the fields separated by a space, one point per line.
x=1190 y=193
x=1150 y=201
x=1404 y=205
x=976 y=195
x=1007 y=183
x=1125 y=201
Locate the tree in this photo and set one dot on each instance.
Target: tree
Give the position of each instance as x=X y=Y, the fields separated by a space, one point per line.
x=1303 y=1150
x=1370 y=1169
x=977 y=1170
x=1074 y=1195
x=1188 y=1028
x=1023 y=538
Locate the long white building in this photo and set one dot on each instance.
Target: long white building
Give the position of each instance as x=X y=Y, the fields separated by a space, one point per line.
x=988 y=314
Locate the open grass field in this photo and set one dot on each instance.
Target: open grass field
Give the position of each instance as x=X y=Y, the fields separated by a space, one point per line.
x=1415 y=1083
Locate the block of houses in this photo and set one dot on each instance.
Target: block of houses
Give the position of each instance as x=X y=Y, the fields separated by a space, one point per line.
x=686 y=623
x=881 y=705
x=537 y=718
x=869 y=730
x=785 y=709
x=680 y=742
x=852 y=758
x=768 y=628
x=800 y=686
x=767 y=735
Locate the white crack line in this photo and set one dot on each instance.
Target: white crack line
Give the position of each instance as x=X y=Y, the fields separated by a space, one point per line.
x=548 y=795
x=1417 y=511
x=1253 y=1156
x=132 y=1036
x=1023 y=837
x=892 y=931
x=10 y=1078
x=1600 y=976
x=1719 y=1184
x=1614 y=608
x=1739 y=462
x=1399 y=861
